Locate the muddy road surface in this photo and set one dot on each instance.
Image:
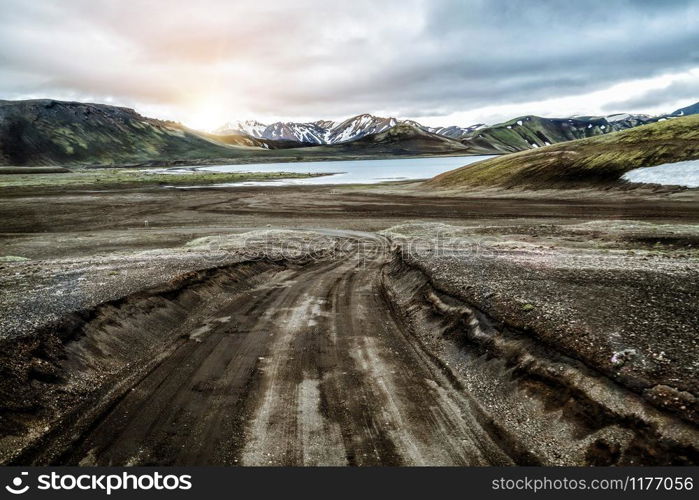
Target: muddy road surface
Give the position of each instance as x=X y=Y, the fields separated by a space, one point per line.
x=309 y=367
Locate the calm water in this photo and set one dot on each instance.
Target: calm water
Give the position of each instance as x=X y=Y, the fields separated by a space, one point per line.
x=352 y=171
x=682 y=173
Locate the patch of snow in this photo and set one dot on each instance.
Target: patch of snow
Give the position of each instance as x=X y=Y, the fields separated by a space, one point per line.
x=682 y=173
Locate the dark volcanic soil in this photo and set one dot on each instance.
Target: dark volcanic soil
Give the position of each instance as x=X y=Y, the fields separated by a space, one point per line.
x=306 y=368
x=498 y=330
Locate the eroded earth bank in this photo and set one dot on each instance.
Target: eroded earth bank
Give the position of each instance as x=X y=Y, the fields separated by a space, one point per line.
x=307 y=326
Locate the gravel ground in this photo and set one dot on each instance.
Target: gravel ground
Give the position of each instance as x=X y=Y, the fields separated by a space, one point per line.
x=632 y=315
x=610 y=280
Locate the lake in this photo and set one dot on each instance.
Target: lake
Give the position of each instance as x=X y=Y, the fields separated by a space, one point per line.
x=681 y=173
x=351 y=171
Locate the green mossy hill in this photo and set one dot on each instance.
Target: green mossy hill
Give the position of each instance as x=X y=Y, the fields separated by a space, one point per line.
x=48 y=132
x=527 y=132
x=598 y=160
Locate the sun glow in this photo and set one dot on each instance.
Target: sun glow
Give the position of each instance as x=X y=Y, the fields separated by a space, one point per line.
x=207 y=116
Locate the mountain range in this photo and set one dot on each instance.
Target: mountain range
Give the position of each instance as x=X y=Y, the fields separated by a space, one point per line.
x=520 y=133
x=318 y=132
x=330 y=132
x=51 y=132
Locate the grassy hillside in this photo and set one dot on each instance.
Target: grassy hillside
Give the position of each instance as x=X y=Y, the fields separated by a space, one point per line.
x=527 y=132
x=591 y=161
x=48 y=132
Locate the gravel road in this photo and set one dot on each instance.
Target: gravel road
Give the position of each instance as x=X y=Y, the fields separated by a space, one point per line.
x=309 y=367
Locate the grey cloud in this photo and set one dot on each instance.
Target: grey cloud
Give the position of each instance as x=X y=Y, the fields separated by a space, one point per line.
x=329 y=59
x=682 y=90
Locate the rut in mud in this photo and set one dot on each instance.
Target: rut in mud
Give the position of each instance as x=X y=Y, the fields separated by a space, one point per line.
x=355 y=360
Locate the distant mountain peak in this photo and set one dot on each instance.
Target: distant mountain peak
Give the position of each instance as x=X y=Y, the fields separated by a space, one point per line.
x=692 y=109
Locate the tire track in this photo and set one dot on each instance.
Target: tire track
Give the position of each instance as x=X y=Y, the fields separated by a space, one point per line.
x=309 y=368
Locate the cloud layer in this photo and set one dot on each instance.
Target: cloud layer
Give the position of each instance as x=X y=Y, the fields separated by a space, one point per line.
x=433 y=60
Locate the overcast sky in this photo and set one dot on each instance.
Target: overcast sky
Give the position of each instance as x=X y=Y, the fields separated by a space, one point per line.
x=206 y=62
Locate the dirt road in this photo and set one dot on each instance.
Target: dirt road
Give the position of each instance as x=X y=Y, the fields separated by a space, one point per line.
x=310 y=367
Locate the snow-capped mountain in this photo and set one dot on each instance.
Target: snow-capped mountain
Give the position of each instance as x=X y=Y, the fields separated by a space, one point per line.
x=301 y=132
x=627 y=117
x=325 y=131
x=357 y=127
x=253 y=128
x=312 y=133
x=455 y=132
